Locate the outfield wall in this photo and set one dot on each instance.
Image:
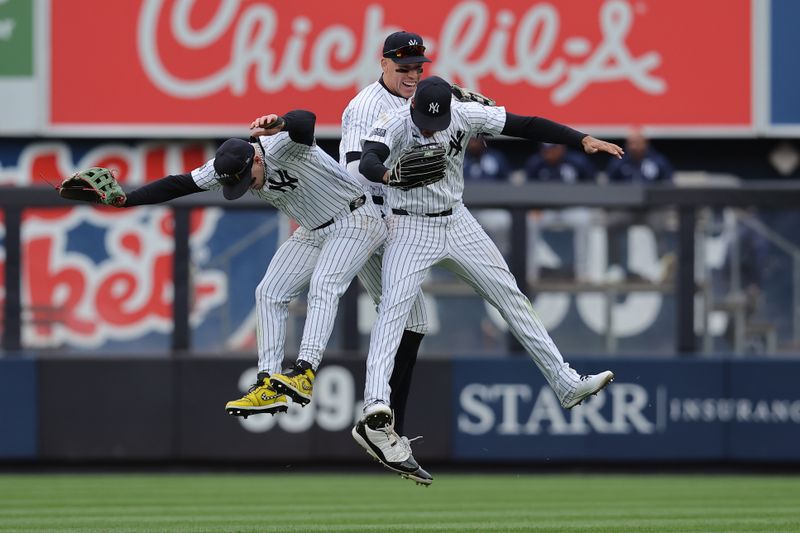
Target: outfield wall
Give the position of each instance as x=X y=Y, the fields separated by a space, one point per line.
x=474 y=410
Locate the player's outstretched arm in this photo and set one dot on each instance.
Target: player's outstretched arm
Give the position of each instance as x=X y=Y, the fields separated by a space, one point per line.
x=98 y=185
x=545 y=130
x=163 y=190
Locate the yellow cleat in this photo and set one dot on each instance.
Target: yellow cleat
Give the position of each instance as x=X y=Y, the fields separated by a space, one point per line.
x=261 y=398
x=297 y=383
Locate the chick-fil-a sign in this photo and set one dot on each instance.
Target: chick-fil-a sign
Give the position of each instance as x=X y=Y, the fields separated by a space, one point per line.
x=173 y=63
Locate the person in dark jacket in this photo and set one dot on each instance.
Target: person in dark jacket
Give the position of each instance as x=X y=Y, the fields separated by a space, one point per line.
x=640 y=164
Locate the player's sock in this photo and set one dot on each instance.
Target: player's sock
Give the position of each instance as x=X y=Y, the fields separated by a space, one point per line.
x=400 y=381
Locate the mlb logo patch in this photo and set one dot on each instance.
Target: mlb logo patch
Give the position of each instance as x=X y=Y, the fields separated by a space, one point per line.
x=378 y=132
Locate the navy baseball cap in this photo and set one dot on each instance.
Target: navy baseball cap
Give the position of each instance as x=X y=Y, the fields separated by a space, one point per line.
x=404 y=48
x=431 y=104
x=233 y=164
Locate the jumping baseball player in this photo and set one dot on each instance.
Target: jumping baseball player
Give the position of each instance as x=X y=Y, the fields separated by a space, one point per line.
x=401 y=66
x=340 y=228
x=431 y=226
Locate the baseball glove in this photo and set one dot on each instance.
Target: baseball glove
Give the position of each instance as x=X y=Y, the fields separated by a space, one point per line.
x=96 y=185
x=418 y=166
x=465 y=95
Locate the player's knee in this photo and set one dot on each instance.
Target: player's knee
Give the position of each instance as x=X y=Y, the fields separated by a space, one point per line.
x=325 y=296
x=267 y=295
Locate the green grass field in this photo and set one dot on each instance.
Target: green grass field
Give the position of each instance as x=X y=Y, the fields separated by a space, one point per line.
x=384 y=502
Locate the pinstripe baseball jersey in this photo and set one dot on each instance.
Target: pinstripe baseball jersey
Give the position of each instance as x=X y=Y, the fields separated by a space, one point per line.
x=371 y=103
x=454 y=240
x=303 y=181
x=397 y=131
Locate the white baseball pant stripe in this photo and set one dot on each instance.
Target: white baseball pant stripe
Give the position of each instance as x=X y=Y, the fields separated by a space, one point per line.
x=459 y=244
x=325 y=261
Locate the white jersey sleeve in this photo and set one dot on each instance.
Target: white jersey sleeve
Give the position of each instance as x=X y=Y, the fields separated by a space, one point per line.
x=484 y=119
x=371 y=103
x=205 y=177
x=356 y=124
x=390 y=129
x=281 y=146
x=356 y=121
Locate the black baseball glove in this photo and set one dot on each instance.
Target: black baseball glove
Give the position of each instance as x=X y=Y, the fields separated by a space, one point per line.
x=418 y=166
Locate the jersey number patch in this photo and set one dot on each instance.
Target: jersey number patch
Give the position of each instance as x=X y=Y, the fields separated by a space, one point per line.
x=284 y=180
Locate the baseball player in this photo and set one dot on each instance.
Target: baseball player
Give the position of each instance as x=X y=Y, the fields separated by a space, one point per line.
x=401 y=66
x=431 y=226
x=340 y=228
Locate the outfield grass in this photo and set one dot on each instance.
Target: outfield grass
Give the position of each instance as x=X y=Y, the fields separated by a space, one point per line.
x=383 y=502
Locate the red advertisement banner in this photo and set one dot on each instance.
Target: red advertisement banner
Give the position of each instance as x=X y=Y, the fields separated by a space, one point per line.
x=201 y=65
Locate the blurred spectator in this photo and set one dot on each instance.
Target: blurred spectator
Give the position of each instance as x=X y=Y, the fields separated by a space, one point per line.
x=748 y=264
x=484 y=163
x=555 y=163
x=641 y=163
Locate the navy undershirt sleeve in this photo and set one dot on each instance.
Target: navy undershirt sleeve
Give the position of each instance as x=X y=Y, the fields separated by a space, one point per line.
x=165 y=189
x=300 y=126
x=372 y=157
x=541 y=129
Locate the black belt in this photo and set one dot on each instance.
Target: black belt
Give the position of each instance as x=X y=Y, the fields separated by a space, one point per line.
x=445 y=213
x=377 y=200
x=355 y=204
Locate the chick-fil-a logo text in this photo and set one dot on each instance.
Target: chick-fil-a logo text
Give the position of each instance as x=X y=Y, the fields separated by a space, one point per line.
x=520 y=47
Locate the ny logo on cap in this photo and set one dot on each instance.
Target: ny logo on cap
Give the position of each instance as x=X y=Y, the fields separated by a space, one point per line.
x=413 y=42
x=434 y=108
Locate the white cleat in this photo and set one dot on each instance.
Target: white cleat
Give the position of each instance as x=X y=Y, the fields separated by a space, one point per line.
x=588 y=386
x=375 y=433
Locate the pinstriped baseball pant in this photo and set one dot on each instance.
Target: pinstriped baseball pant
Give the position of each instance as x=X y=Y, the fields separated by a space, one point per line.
x=325 y=261
x=459 y=244
x=370 y=277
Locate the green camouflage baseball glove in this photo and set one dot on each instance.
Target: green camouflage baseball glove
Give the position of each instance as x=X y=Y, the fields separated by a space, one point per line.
x=419 y=166
x=465 y=95
x=96 y=185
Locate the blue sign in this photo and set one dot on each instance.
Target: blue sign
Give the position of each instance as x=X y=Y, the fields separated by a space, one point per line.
x=18 y=409
x=784 y=74
x=656 y=409
x=764 y=419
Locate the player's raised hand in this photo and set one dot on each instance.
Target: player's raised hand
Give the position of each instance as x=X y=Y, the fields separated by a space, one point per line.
x=266 y=125
x=592 y=146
